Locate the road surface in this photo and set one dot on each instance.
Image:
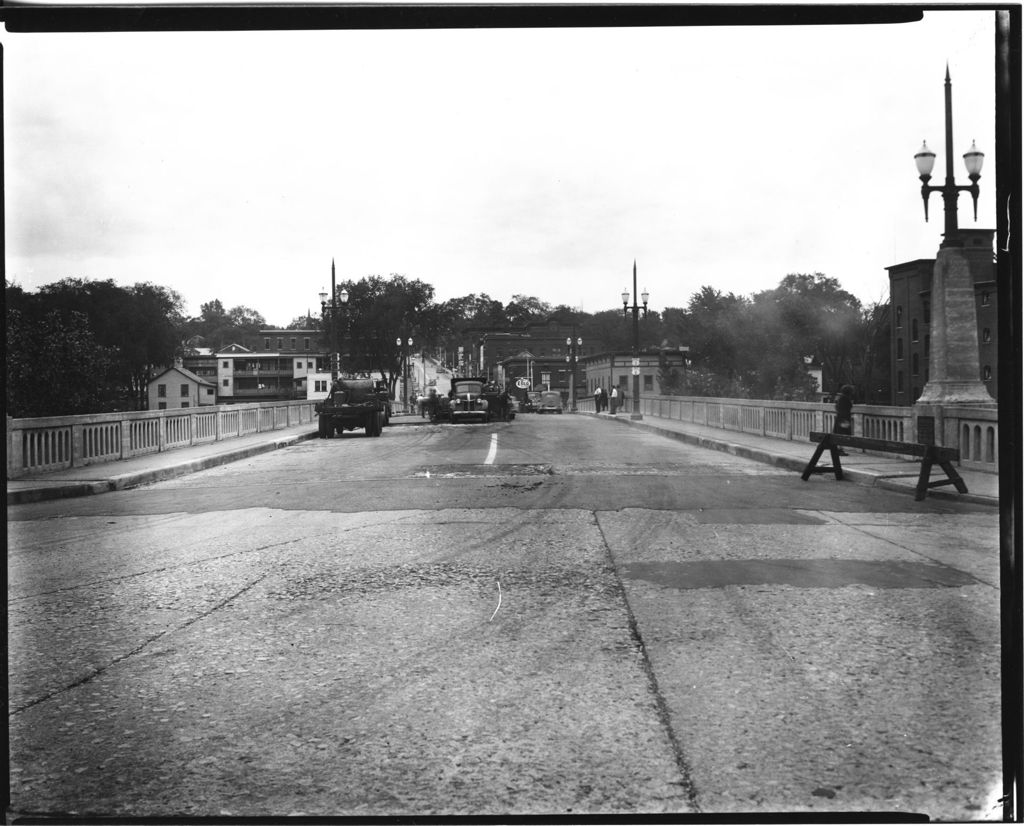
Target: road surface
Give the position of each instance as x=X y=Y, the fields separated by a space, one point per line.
x=554 y=616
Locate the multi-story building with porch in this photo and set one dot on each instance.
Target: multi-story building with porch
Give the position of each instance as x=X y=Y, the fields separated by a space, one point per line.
x=279 y=371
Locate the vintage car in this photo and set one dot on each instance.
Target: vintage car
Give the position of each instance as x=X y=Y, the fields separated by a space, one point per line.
x=465 y=402
x=351 y=403
x=531 y=403
x=550 y=402
x=499 y=404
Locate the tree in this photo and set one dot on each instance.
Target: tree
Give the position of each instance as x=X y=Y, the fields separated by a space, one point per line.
x=140 y=326
x=813 y=316
x=523 y=309
x=870 y=375
x=379 y=311
x=219 y=327
x=302 y=322
x=54 y=365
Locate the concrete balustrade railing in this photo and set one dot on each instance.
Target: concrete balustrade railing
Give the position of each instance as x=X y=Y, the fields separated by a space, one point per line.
x=58 y=442
x=44 y=444
x=972 y=431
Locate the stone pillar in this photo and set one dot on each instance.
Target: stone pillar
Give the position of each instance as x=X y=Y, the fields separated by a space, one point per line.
x=953 y=363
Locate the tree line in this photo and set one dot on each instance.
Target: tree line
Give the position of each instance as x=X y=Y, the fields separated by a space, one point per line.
x=79 y=346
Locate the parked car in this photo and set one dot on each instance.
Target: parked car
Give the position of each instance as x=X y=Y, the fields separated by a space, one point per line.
x=550 y=402
x=532 y=402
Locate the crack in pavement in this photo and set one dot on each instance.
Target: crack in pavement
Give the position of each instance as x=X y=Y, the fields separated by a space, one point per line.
x=682 y=764
x=103 y=669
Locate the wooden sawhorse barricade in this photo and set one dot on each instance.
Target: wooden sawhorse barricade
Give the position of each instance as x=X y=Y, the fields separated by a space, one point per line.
x=930 y=455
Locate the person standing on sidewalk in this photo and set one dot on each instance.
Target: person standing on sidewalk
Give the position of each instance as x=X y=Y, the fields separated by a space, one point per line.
x=615 y=399
x=844 y=413
x=597 y=400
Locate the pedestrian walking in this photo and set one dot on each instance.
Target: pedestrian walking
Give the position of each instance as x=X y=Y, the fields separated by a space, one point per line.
x=615 y=399
x=597 y=400
x=844 y=413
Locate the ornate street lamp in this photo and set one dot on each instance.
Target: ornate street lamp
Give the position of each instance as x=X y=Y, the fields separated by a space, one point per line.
x=973 y=160
x=572 y=358
x=331 y=308
x=636 y=414
x=953 y=363
x=404 y=353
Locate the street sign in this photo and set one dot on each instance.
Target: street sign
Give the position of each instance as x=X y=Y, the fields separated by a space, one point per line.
x=523 y=384
x=636 y=362
x=636 y=371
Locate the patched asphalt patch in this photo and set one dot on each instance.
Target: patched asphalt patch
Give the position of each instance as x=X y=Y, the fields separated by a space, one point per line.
x=755 y=516
x=466 y=471
x=799 y=573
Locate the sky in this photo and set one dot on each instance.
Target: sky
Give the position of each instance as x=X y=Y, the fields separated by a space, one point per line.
x=542 y=162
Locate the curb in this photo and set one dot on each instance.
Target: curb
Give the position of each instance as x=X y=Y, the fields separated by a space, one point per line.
x=125 y=481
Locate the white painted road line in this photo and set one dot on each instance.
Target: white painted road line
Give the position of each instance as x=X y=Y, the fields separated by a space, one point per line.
x=493 y=451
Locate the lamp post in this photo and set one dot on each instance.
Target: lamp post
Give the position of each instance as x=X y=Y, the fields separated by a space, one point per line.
x=925 y=160
x=636 y=414
x=331 y=307
x=404 y=351
x=573 y=357
x=953 y=362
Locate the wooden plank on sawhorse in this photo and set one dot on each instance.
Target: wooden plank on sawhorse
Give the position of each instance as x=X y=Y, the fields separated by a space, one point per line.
x=930 y=456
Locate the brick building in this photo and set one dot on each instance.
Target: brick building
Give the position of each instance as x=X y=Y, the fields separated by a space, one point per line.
x=910 y=304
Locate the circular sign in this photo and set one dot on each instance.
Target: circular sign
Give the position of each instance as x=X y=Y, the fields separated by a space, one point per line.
x=523 y=384
x=636 y=371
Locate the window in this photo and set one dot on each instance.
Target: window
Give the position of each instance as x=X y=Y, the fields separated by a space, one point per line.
x=623 y=381
x=899 y=348
x=309 y=365
x=914 y=364
x=184 y=404
x=986 y=298
x=266 y=344
x=280 y=343
x=209 y=391
x=161 y=406
x=227 y=364
x=899 y=316
x=913 y=329
x=184 y=390
x=986 y=373
x=899 y=382
x=927 y=345
x=927 y=311
x=321 y=386
x=161 y=390
x=225 y=382
x=648 y=383
x=986 y=335
x=293 y=342
x=305 y=343
x=298 y=365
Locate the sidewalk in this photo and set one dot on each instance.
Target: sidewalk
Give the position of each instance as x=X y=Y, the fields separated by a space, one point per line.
x=890 y=472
